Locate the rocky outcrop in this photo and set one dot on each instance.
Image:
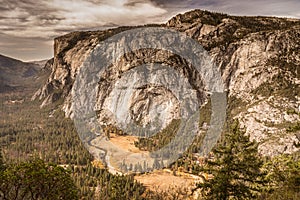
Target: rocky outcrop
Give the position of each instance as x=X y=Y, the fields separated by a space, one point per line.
x=258 y=58
x=69 y=52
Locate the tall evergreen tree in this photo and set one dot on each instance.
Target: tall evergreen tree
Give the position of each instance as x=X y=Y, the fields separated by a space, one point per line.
x=235 y=167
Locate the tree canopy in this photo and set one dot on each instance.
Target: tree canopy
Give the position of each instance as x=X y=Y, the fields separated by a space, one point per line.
x=36 y=180
x=235 y=167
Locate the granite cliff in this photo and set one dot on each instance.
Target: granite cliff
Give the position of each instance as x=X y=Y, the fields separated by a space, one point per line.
x=258 y=57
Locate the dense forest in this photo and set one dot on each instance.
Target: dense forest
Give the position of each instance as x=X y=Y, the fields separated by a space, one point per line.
x=37 y=144
x=29 y=133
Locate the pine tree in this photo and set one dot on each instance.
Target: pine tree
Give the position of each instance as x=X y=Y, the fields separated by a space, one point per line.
x=235 y=167
x=283 y=177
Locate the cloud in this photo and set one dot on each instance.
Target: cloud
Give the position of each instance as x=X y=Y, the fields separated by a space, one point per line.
x=42 y=18
x=32 y=22
x=25 y=48
x=287 y=8
x=82 y=13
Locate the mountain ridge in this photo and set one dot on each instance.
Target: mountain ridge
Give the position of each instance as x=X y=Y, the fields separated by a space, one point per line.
x=257 y=57
x=15 y=74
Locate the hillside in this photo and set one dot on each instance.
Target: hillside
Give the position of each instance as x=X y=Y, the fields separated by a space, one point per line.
x=258 y=58
x=16 y=75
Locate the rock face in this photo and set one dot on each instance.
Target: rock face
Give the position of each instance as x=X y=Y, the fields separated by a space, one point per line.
x=258 y=57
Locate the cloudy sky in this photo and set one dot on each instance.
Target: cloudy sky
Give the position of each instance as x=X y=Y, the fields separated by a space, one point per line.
x=27 y=27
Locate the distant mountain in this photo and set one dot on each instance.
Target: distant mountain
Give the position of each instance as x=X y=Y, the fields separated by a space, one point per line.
x=16 y=74
x=41 y=63
x=258 y=58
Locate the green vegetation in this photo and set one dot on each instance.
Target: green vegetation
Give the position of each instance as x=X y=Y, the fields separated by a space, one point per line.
x=280 y=85
x=283 y=175
x=160 y=139
x=207 y=17
x=235 y=106
x=28 y=132
x=30 y=136
x=294 y=127
x=205 y=114
x=236 y=168
x=238 y=172
x=100 y=184
x=166 y=135
x=36 y=180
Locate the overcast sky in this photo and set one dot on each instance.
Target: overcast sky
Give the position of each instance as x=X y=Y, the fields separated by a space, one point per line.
x=27 y=27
